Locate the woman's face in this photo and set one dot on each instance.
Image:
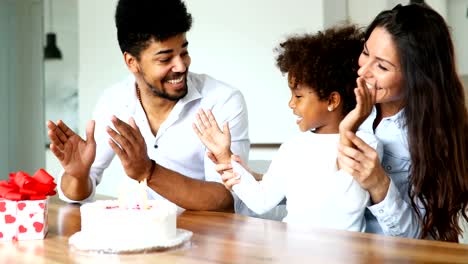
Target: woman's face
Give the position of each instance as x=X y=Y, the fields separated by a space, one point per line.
x=380 y=67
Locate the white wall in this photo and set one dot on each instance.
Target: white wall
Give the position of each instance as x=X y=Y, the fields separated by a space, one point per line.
x=61 y=75
x=362 y=12
x=440 y=6
x=334 y=12
x=100 y=61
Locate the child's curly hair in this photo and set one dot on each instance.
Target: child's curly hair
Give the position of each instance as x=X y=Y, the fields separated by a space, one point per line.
x=326 y=61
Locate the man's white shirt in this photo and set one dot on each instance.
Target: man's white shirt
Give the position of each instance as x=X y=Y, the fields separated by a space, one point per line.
x=176 y=146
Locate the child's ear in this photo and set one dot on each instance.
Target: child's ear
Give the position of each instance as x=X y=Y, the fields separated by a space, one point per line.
x=131 y=61
x=334 y=101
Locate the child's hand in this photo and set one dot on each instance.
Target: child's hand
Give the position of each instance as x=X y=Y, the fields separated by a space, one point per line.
x=365 y=100
x=230 y=173
x=257 y=176
x=230 y=179
x=221 y=168
x=217 y=141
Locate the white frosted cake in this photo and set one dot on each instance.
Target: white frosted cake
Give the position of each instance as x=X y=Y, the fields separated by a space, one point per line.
x=110 y=227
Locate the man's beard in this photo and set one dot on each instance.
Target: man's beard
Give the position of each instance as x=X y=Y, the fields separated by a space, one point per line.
x=163 y=94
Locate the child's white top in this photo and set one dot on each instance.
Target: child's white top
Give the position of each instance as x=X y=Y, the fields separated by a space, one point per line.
x=304 y=171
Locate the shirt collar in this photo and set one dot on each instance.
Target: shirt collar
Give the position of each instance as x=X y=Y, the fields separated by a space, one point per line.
x=397 y=118
x=193 y=94
x=192 y=91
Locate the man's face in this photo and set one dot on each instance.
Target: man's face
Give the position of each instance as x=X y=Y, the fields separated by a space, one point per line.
x=163 y=68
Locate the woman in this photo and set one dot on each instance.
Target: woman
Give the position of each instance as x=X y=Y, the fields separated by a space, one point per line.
x=421 y=187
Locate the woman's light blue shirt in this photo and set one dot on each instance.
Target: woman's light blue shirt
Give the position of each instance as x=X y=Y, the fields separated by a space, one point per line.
x=394 y=215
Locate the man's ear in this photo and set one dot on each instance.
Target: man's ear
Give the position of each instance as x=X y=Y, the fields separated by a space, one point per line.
x=132 y=62
x=334 y=101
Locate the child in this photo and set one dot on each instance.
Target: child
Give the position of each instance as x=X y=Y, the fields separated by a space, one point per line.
x=322 y=75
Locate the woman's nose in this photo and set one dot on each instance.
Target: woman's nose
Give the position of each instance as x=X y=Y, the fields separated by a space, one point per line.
x=364 y=70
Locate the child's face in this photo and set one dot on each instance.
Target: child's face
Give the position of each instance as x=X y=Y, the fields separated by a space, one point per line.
x=310 y=111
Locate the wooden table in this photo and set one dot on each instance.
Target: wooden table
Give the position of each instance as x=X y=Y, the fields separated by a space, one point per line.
x=230 y=238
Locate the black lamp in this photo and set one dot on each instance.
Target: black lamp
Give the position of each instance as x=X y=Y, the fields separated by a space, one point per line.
x=51 y=51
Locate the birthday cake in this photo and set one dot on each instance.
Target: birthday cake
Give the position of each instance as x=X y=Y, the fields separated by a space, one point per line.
x=133 y=223
x=110 y=227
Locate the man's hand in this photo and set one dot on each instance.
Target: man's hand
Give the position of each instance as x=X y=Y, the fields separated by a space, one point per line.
x=130 y=146
x=75 y=154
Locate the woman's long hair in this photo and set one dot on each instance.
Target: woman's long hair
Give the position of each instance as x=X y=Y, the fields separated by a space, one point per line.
x=436 y=117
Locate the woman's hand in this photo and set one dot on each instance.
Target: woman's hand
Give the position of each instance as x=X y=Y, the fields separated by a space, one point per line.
x=363 y=163
x=218 y=142
x=365 y=101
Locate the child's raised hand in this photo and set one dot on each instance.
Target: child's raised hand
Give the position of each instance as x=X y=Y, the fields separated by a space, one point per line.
x=218 y=142
x=365 y=100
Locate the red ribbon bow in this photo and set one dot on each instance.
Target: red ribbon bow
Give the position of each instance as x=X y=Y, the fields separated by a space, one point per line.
x=21 y=186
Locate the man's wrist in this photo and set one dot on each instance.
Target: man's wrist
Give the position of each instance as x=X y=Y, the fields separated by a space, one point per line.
x=76 y=188
x=151 y=171
x=81 y=176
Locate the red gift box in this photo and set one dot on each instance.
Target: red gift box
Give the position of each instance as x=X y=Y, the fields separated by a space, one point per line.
x=23 y=205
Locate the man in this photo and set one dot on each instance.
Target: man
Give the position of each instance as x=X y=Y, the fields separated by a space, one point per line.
x=160 y=101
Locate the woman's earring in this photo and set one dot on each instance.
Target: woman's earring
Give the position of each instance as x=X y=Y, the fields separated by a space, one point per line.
x=330 y=108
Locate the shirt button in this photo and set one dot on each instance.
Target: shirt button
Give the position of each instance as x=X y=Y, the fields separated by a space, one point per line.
x=155 y=146
x=381 y=211
x=389 y=168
